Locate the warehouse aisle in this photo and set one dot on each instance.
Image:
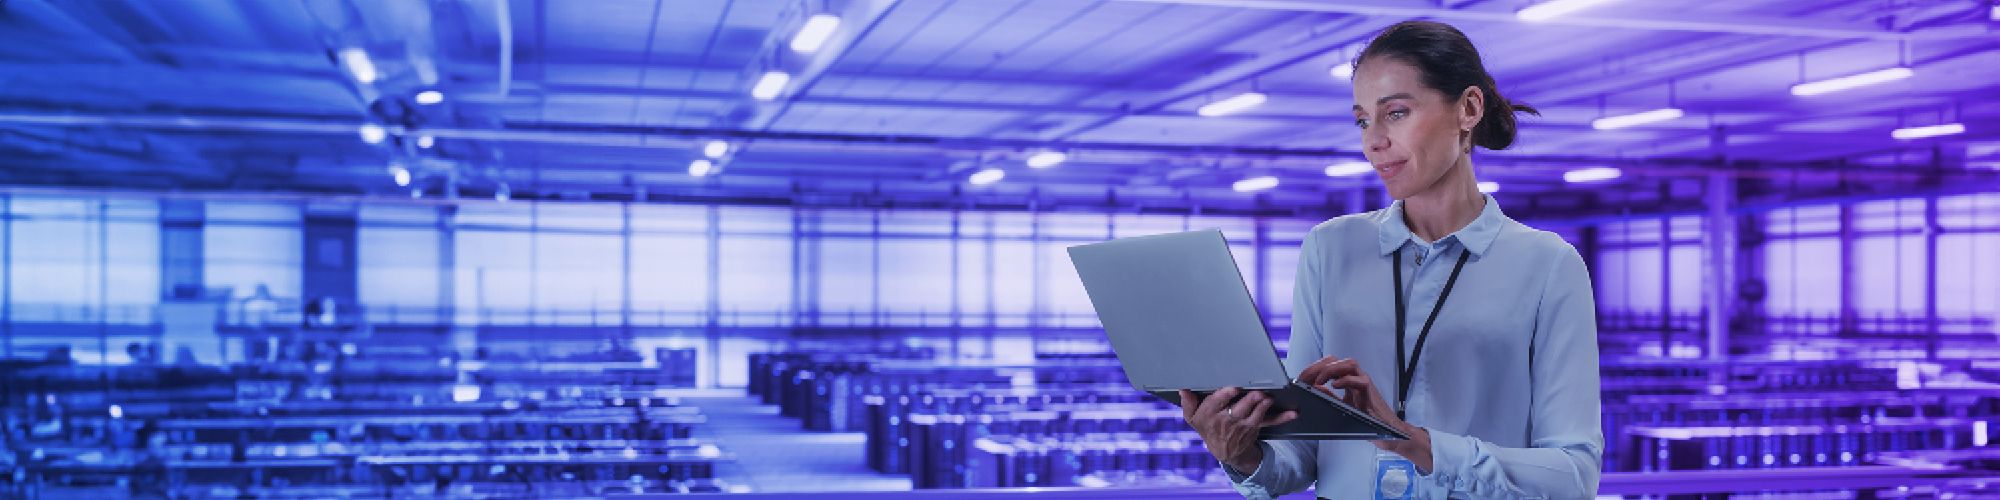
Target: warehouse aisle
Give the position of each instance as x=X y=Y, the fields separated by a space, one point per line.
x=773 y=454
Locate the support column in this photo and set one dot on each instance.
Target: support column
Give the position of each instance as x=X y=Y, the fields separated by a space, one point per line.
x=1260 y=244
x=180 y=249
x=715 y=296
x=875 y=275
x=992 y=316
x=814 y=233
x=187 y=315
x=1035 y=270
x=1666 y=282
x=1719 y=241
x=104 y=292
x=1848 y=320
x=464 y=335
x=957 y=332
x=1035 y=302
x=330 y=242
x=7 y=276
x=1932 y=230
x=624 y=273
x=798 y=279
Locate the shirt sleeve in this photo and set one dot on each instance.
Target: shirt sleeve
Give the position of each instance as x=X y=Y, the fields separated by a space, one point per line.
x=1565 y=453
x=1289 y=465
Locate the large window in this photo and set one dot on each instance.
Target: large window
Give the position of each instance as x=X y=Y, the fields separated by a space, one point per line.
x=1802 y=253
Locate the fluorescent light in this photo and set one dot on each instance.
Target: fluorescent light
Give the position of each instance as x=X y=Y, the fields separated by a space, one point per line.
x=715 y=149
x=1046 y=159
x=503 y=193
x=1489 y=187
x=1995 y=13
x=1593 y=174
x=426 y=141
x=1342 y=71
x=356 y=61
x=1255 y=184
x=1852 y=81
x=1928 y=131
x=815 y=33
x=701 y=168
x=372 y=133
x=402 y=175
x=1349 y=169
x=1635 y=119
x=430 y=97
x=1552 y=8
x=770 y=85
x=464 y=393
x=1232 y=105
x=987 y=176
x=119 y=412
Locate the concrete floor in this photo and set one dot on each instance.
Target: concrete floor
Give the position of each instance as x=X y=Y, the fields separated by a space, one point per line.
x=775 y=455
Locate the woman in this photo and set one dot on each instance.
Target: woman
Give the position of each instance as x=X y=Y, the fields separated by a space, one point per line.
x=1482 y=329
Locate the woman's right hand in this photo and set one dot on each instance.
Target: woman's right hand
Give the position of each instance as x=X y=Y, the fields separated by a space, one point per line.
x=1230 y=430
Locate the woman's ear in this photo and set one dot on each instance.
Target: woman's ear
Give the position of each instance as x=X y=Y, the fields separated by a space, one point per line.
x=1471 y=108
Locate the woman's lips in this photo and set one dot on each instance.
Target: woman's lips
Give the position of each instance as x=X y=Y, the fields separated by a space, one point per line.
x=1390 y=169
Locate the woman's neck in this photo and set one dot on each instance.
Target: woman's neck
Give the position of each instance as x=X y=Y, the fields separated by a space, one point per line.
x=1449 y=205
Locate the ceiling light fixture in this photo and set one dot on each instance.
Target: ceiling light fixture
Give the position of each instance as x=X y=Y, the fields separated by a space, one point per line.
x=1046 y=159
x=1553 y=8
x=372 y=133
x=1349 y=169
x=770 y=85
x=400 y=174
x=987 y=176
x=1232 y=105
x=1928 y=131
x=357 y=64
x=1636 y=119
x=1593 y=174
x=1852 y=81
x=815 y=33
x=1255 y=184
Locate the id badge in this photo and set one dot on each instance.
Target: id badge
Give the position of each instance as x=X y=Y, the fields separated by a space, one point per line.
x=1395 y=477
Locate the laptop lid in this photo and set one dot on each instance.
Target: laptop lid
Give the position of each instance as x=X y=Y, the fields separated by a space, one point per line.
x=1178 y=313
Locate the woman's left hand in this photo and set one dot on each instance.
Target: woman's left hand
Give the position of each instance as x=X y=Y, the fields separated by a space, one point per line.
x=1361 y=392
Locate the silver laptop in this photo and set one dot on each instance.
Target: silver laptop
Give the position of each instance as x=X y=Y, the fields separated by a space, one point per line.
x=1180 y=317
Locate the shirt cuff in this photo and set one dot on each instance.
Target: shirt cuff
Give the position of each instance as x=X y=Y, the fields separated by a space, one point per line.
x=1252 y=485
x=1449 y=453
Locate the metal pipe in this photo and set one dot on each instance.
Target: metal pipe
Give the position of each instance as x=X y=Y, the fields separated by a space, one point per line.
x=625 y=135
x=506 y=24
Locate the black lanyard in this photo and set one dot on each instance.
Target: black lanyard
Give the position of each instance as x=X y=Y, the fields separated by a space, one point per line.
x=1406 y=371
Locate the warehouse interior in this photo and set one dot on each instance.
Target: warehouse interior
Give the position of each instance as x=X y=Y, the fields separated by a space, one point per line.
x=635 y=248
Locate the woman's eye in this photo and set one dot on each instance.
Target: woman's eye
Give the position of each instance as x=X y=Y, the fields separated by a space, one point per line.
x=1398 y=114
x=1361 y=123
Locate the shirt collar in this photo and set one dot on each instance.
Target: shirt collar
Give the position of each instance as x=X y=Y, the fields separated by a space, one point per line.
x=1477 y=236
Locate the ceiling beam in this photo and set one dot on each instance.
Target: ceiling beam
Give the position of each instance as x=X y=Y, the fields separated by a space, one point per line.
x=857 y=20
x=601 y=134
x=1647 y=20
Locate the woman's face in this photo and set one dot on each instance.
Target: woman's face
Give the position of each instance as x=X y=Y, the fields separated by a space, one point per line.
x=1412 y=134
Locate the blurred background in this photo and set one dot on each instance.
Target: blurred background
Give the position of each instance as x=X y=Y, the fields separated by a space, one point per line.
x=539 y=248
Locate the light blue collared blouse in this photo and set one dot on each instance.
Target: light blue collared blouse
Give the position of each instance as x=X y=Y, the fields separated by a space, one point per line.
x=1507 y=385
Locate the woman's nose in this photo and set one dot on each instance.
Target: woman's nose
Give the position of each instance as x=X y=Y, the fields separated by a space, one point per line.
x=1374 y=140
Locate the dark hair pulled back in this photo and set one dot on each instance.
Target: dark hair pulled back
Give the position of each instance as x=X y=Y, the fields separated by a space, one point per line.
x=1449 y=64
